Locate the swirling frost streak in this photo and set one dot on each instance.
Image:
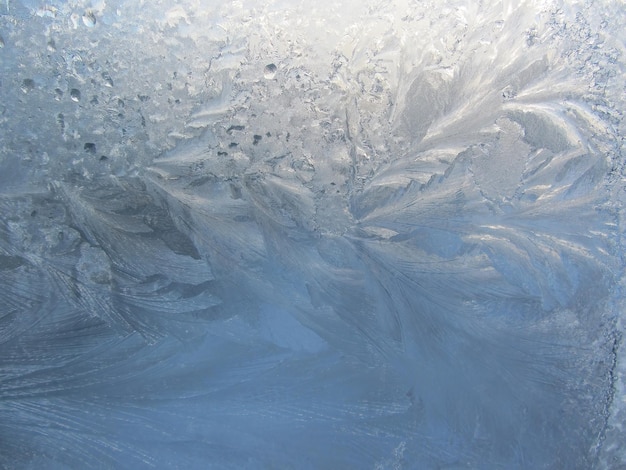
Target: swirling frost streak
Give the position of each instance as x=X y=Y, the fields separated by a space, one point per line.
x=400 y=249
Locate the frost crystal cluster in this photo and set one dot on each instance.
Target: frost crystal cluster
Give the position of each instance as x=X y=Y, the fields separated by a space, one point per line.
x=317 y=235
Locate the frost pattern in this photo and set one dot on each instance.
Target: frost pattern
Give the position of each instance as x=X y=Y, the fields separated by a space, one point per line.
x=275 y=235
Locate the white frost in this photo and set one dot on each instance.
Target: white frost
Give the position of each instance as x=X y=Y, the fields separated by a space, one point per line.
x=380 y=234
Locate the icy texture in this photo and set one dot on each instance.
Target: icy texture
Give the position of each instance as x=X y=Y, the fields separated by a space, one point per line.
x=294 y=234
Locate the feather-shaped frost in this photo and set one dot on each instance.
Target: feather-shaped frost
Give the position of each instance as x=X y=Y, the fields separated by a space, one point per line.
x=402 y=248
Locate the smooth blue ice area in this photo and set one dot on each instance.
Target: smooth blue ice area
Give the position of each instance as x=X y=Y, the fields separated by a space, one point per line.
x=341 y=235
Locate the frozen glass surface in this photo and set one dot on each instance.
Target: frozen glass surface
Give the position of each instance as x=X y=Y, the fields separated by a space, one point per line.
x=312 y=235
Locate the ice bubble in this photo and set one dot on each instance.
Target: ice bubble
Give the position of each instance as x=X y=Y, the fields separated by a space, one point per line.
x=270 y=71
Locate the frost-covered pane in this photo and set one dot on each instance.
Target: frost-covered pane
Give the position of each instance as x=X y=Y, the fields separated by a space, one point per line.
x=279 y=234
